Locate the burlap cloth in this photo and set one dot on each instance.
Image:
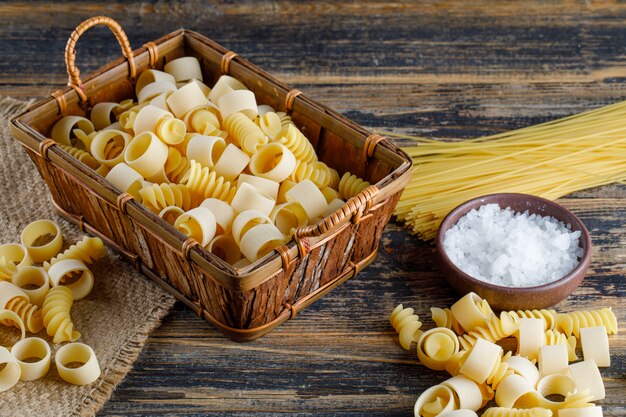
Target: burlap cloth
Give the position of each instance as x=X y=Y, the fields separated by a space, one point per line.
x=115 y=319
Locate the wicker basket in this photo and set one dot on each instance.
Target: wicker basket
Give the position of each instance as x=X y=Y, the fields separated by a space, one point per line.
x=243 y=303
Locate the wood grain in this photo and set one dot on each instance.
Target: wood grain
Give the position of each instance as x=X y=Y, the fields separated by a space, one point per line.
x=438 y=69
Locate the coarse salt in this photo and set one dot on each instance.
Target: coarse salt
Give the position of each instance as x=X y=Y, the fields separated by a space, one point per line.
x=502 y=247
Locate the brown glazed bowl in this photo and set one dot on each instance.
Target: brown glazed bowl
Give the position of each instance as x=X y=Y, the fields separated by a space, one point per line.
x=516 y=298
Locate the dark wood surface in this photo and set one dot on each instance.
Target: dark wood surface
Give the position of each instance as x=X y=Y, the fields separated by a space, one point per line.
x=443 y=70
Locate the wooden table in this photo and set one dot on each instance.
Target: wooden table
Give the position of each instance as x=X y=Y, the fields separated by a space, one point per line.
x=443 y=70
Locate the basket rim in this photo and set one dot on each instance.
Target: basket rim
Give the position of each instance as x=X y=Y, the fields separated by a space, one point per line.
x=235 y=279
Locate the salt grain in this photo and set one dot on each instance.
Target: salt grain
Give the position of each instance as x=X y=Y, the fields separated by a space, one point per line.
x=511 y=249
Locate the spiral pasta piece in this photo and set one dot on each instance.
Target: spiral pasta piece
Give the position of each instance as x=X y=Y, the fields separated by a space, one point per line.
x=157 y=197
x=318 y=172
x=435 y=401
x=443 y=317
x=270 y=124
x=88 y=250
x=247 y=135
x=285 y=119
x=492 y=332
x=29 y=313
x=517 y=412
x=7 y=269
x=453 y=366
x=350 y=185
x=407 y=324
x=84 y=157
x=554 y=337
x=291 y=137
x=578 y=400
x=484 y=363
x=176 y=165
x=203 y=120
x=510 y=319
x=56 y=315
x=571 y=323
x=207 y=184
x=436 y=347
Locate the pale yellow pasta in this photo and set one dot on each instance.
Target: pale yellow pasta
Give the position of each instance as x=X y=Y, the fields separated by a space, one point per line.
x=83 y=140
x=88 y=250
x=245 y=221
x=594 y=411
x=436 y=346
x=171 y=213
x=515 y=391
x=238 y=101
x=146 y=154
x=333 y=207
x=13 y=320
x=553 y=359
x=587 y=376
x=15 y=254
x=273 y=161
x=247 y=135
x=86 y=373
x=7 y=269
x=152 y=75
x=310 y=198
x=153 y=90
x=83 y=156
x=484 y=364
x=554 y=337
x=270 y=124
x=282 y=190
x=595 y=345
x=42 y=239
x=11 y=372
x=225 y=84
x=267 y=187
x=127 y=118
x=231 y=163
x=156 y=197
x=28 y=277
x=207 y=184
x=185 y=99
x=523 y=367
x=510 y=319
x=148 y=117
x=471 y=311
x=288 y=217
x=406 y=324
x=202 y=120
x=225 y=248
x=295 y=141
x=462 y=412
x=64 y=128
x=453 y=366
x=517 y=412
x=198 y=223
x=571 y=323
x=125 y=179
x=29 y=349
x=101 y=115
x=555 y=384
x=351 y=185
x=56 y=315
x=318 y=172
x=259 y=241
x=248 y=197
x=492 y=331
x=264 y=109
x=184 y=69
x=443 y=317
x=435 y=402
x=579 y=399
x=176 y=165
x=160 y=100
x=108 y=146
x=81 y=278
x=330 y=194
x=467 y=392
x=170 y=130
x=530 y=337
x=205 y=150
x=12 y=298
x=224 y=214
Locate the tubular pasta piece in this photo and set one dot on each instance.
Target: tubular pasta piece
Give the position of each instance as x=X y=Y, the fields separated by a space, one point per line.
x=351 y=185
x=436 y=346
x=264 y=109
x=171 y=213
x=273 y=162
x=198 y=223
x=12 y=318
x=443 y=318
x=224 y=215
x=259 y=241
x=103 y=144
x=239 y=101
x=102 y=115
x=225 y=84
x=184 y=69
x=571 y=323
x=595 y=344
x=282 y=190
x=296 y=142
x=517 y=412
x=14 y=299
x=62 y=129
x=42 y=239
x=150 y=76
x=123 y=106
x=154 y=89
x=587 y=377
x=171 y=131
x=29 y=276
x=309 y=197
x=270 y=124
x=156 y=197
x=207 y=184
x=247 y=135
x=205 y=88
x=185 y=99
x=510 y=319
x=160 y=100
x=245 y=221
x=125 y=179
x=558 y=384
x=146 y=154
x=202 y=120
x=69 y=268
x=595 y=411
x=407 y=324
x=231 y=163
x=248 y=197
x=205 y=150
x=553 y=359
x=435 y=401
x=524 y=367
x=288 y=217
x=12 y=256
x=514 y=391
x=11 y=372
x=530 y=337
x=467 y=392
x=85 y=374
x=470 y=311
x=88 y=250
x=32 y=347
x=554 y=337
x=267 y=187
x=462 y=412
x=484 y=364
x=492 y=331
x=225 y=248
x=148 y=118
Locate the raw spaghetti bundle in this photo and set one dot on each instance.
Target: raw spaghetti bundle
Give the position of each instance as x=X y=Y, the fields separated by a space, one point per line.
x=549 y=160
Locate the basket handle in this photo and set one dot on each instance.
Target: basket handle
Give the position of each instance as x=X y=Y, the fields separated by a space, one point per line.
x=73 y=73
